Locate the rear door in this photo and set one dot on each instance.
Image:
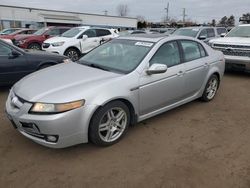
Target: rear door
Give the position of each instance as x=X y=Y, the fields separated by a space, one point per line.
x=12 y=68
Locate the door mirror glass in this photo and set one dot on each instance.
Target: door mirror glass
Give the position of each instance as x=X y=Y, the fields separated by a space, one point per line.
x=84 y=37
x=157 y=69
x=202 y=37
x=223 y=34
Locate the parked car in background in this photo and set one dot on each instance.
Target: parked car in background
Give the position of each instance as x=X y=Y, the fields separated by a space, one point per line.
x=132 y=32
x=34 y=41
x=18 y=32
x=163 y=30
x=9 y=31
x=119 y=83
x=202 y=33
x=16 y=63
x=236 y=47
x=78 y=41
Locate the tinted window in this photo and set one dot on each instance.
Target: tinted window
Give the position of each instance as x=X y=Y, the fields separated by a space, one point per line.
x=202 y=50
x=167 y=54
x=102 y=32
x=4 y=51
x=90 y=33
x=204 y=33
x=191 y=50
x=210 y=32
x=54 y=32
x=63 y=30
x=221 y=30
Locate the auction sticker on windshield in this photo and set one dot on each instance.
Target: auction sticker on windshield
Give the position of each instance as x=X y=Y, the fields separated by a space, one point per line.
x=145 y=44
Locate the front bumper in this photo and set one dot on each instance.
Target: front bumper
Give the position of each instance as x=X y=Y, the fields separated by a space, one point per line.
x=70 y=128
x=238 y=62
x=58 y=50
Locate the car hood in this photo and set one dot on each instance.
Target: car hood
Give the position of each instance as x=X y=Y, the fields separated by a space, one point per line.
x=232 y=40
x=57 y=39
x=61 y=83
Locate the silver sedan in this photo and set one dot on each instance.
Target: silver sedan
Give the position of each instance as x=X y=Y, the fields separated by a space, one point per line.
x=120 y=83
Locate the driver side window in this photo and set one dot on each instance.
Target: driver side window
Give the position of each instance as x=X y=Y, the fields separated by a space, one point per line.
x=167 y=54
x=90 y=33
x=4 y=51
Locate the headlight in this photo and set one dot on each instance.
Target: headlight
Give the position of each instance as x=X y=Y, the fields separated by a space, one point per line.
x=46 y=108
x=67 y=61
x=57 y=44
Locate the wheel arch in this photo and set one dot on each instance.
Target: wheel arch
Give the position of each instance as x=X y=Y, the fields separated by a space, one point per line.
x=73 y=47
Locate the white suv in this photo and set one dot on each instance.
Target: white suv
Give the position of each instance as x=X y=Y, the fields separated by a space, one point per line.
x=78 y=40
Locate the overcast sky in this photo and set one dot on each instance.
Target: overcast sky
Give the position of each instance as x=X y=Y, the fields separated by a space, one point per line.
x=153 y=10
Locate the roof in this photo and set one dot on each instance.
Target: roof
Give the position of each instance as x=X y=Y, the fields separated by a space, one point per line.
x=144 y=37
x=155 y=37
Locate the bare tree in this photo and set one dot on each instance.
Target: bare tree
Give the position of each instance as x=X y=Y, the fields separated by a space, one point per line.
x=122 y=10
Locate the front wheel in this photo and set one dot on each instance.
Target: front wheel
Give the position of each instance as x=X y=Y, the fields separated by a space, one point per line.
x=109 y=124
x=73 y=54
x=34 y=46
x=211 y=89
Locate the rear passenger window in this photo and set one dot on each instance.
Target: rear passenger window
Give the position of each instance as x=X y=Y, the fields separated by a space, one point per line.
x=102 y=32
x=191 y=50
x=90 y=33
x=210 y=32
x=167 y=54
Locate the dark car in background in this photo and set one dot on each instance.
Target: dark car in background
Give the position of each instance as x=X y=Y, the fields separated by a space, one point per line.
x=23 y=31
x=36 y=40
x=16 y=63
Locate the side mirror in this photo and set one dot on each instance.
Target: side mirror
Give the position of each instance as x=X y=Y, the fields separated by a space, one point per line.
x=157 y=69
x=14 y=54
x=202 y=37
x=84 y=37
x=222 y=34
x=46 y=36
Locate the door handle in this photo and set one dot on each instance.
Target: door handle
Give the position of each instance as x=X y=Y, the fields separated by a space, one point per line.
x=180 y=73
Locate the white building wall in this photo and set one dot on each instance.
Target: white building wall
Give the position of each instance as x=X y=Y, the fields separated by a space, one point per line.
x=36 y=15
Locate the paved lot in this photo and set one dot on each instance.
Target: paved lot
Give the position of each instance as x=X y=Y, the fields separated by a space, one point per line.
x=197 y=145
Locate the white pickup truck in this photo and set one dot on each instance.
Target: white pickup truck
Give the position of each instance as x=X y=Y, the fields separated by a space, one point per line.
x=236 y=47
x=78 y=40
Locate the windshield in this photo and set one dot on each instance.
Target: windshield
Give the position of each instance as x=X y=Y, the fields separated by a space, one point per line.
x=240 y=31
x=8 y=31
x=41 y=31
x=118 y=55
x=189 y=32
x=71 y=33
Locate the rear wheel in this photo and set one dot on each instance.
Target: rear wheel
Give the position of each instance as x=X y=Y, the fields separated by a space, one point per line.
x=35 y=46
x=211 y=88
x=73 y=54
x=109 y=124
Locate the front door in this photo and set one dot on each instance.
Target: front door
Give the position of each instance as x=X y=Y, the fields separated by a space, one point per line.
x=161 y=90
x=90 y=42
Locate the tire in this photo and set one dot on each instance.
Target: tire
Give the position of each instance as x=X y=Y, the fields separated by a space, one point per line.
x=35 y=46
x=73 y=54
x=109 y=124
x=210 y=89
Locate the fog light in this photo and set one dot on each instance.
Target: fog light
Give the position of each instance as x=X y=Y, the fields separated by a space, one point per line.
x=51 y=138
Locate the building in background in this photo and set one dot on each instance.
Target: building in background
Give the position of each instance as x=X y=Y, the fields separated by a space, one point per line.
x=12 y=16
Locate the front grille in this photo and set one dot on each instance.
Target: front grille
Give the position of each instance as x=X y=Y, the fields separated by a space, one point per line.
x=231 y=46
x=46 y=45
x=236 y=53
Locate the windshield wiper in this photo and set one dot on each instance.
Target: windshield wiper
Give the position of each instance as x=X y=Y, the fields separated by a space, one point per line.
x=97 y=66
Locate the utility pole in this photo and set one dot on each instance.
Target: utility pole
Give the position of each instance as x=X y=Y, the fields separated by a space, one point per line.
x=184 y=15
x=167 y=11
